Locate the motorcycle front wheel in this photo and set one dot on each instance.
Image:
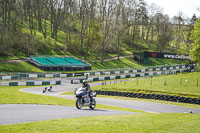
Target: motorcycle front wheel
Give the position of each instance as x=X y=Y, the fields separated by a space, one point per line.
x=79 y=103
x=93 y=103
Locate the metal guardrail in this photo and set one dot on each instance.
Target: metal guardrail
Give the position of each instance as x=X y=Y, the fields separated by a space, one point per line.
x=26 y=76
x=140 y=74
x=31 y=83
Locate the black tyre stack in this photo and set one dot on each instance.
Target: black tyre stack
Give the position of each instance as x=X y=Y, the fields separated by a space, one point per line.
x=151 y=96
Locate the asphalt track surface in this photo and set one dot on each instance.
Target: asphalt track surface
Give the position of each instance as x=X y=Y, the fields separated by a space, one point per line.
x=20 y=113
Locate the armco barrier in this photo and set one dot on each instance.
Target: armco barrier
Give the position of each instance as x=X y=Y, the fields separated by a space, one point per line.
x=151 y=96
x=105 y=72
x=30 y=83
x=78 y=81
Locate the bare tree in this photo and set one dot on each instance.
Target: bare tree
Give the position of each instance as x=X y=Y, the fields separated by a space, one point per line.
x=68 y=6
x=153 y=9
x=120 y=24
x=188 y=30
x=56 y=12
x=91 y=24
x=132 y=18
x=178 y=29
x=164 y=30
x=143 y=18
x=106 y=19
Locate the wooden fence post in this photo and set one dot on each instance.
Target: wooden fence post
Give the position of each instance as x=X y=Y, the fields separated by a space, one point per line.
x=165 y=82
x=181 y=82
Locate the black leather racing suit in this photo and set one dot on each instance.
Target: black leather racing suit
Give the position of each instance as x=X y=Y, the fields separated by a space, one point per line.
x=87 y=90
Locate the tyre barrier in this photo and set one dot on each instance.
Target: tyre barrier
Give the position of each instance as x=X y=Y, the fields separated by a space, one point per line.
x=179 y=99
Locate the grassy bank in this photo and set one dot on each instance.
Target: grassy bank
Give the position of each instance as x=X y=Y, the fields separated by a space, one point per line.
x=122 y=63
x=18 y=67
x=129 y=62
x=140 y=123
x=180 y=85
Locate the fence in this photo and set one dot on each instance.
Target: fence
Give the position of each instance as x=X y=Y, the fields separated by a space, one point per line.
x=141 y=74
x=30 y=83
x=19 y=76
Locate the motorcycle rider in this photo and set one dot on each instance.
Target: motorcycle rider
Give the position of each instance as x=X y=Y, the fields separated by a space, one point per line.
x=87 y=88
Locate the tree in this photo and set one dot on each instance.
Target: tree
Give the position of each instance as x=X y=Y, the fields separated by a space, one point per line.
x=195 y=38
x=68 y=7
x=164 y=31
x=193 y=20
x=143 y=16
x=179 y=27
x=132 y=21
x=188 y=31
x=84 y=20
x=106 y=21
x=56 y=14
x=120 y=24
x=153 y=9
x=42 y=13
x=91 y=25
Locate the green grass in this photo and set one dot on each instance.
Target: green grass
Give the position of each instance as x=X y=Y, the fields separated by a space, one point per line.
x=172 y=87
x=122 y=63
x=68 y=93
x=129 y=62
x=22 y=56
x=144 y=122
x=12 y=95
x=157 y=62
x=139 y=123
x=18 y=67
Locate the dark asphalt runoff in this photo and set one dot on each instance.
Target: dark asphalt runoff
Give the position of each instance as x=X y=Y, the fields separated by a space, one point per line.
x=20 y=113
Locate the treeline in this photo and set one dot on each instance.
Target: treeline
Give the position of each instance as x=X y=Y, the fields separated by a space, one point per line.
x=90 y=26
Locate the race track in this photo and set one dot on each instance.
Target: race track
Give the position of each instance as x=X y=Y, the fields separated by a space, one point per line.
x=20 y=113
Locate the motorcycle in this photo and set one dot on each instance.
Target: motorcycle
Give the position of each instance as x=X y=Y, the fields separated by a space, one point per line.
x=85 y=99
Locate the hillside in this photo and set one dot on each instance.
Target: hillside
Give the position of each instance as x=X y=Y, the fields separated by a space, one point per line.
x=38 y=28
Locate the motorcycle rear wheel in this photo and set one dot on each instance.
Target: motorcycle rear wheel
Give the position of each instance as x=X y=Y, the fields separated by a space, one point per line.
x=93 y=103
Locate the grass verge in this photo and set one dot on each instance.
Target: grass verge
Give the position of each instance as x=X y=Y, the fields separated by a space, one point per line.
x=129 y=62
x=180 y=85
x=18 y=67
x=139 y=123
x=12 y=95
